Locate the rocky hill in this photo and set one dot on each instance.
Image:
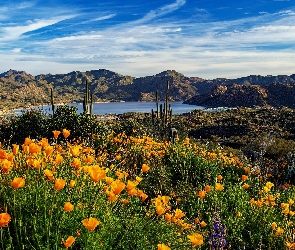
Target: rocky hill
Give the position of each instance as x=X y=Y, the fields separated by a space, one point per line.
x=20 y=89
x=233 y=95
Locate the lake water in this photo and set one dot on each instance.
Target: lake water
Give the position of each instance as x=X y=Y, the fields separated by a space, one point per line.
x=124 y=107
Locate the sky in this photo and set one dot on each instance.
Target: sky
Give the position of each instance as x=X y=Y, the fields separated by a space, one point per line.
x=201 y=38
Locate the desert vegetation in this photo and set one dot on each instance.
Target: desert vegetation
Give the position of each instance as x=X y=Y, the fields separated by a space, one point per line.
x=71 y=181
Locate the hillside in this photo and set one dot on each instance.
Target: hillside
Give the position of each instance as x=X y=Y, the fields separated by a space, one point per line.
x=21 y=89
x=275 y=95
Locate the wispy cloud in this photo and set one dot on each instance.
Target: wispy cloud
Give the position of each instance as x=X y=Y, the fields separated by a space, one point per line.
x=164 y=10
x=14 y=32
x=158 y=40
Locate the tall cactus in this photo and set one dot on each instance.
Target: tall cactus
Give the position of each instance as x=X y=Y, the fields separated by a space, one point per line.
x=52 y=101
x=157 y=103
x=166 y=103
x=86 y=97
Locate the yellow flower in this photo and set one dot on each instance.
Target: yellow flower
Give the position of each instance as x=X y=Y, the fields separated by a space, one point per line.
x=178 y=214
x=76 y=163
x=72 y=183
x=163 y=247
x=66 y=133
x=17 y=182
x=90 y=223
x=196 y=239
x=246 y=186
x=68 y=206
x=69 y=241
x=219 y=187
x=4 y=219
x=269 y=185
x=49 y=174
x=59 y=184
x=75 y=150
x=55 y=133
x=273 y=225
x=279 y=231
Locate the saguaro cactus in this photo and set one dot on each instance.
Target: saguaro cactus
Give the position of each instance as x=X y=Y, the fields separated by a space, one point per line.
x=86 y=97
x=52 y=101
x=166 y=103
x=157 y=103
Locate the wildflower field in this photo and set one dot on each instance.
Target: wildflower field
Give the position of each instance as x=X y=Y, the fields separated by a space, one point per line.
x=136 y=192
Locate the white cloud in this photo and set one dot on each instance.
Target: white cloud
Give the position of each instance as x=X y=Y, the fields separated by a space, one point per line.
x=14 y=32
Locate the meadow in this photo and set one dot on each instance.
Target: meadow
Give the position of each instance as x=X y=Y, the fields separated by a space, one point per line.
x=112 y=190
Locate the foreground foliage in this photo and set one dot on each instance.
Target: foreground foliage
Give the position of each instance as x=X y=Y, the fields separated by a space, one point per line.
x=126 y=192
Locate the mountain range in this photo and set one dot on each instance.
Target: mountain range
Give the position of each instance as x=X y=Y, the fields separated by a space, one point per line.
x=20 y=89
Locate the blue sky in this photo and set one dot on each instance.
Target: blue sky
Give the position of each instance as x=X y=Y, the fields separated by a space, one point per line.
x=204 y=38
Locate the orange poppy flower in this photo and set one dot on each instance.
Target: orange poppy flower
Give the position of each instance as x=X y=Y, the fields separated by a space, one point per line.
x=17 y=182
x=109 y=180
x=49 y=174
x=219 y=177
x=69 y=241
x=4 y=219
x=207 y=188
x=48 y=150
x=163 y=247
x=6 y=166
x=58 y=159
x=34 y=148
x=75 y=150
x=55 y=133
x=59 y=184
x=76 y=163
x=2 y=154
x=196 y=239
x=96 y=173
x=27 y=141
x=117 y=186
x=201 y=194
x=66 y=133
x=15 y=148
x=145 y=168
x=219 y=187
x=203 y=224
x=68 y=206
x=178 y=214
x=90 y=223
x=244 y=177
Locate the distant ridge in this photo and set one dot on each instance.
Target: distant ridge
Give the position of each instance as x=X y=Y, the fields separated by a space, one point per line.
x=20 y=89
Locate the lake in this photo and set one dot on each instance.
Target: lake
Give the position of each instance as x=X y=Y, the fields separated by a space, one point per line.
x=124 y=107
